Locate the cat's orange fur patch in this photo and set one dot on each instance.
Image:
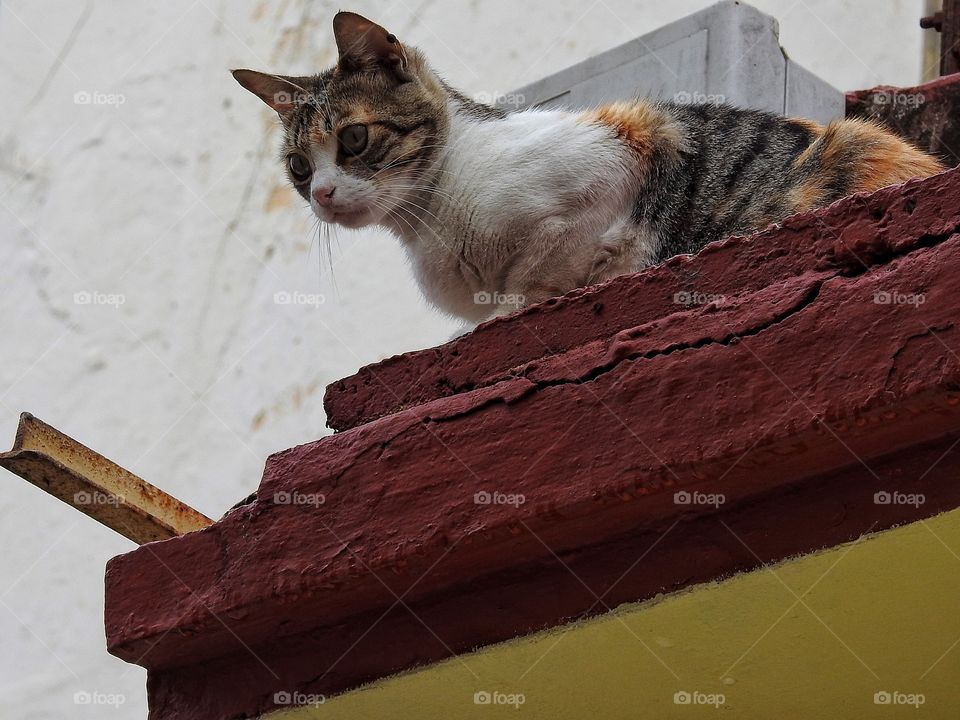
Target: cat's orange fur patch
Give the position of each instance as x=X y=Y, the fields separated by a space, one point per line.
x=640 y=125
x=885 y=159
x=878 y=158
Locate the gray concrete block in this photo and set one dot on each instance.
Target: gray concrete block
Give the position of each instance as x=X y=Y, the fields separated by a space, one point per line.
x=811 y=97
x=729 y=52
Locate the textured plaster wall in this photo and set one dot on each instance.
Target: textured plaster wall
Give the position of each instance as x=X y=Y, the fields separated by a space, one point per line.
x=145 y=233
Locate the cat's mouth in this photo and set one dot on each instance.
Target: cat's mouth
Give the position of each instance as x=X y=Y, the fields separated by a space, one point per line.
x=348 y=218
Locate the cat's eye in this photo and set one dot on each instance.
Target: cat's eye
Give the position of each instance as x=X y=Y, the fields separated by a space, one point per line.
x=353 y=139
x=300 y=168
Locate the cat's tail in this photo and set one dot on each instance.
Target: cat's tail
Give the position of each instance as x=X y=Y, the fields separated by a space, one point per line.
x=854 y=155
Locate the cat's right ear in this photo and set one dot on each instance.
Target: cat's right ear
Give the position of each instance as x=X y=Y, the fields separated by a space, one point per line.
x=363 y=44
x=280 y=93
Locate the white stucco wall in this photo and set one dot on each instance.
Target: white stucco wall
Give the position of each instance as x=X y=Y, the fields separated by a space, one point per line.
x=173 y=201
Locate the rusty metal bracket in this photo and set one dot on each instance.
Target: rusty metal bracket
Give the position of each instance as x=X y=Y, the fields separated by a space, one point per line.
x=96 y=486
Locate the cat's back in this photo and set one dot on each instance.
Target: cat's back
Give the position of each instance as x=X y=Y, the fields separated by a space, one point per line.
x=744 y=169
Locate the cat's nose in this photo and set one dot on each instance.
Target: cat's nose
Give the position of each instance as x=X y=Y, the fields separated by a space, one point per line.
x=324 y=195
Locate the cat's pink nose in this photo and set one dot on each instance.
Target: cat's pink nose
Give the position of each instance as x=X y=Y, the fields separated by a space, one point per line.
x=324 y=195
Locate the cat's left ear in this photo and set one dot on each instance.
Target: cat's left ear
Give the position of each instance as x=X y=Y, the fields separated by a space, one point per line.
x=281 y=93
x=364 y=45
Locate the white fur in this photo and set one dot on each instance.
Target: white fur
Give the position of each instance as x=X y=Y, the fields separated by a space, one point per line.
x=356 y=199
x=523 y=208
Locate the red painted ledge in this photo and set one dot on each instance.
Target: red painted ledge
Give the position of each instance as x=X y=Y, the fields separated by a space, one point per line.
x=889 y=221
x=824 y=371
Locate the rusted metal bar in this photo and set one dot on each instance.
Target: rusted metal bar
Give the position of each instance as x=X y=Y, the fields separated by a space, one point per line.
x=96 y=486
x=947 y=23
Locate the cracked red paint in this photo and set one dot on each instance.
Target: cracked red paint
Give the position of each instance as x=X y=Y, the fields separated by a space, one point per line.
x=797 y=392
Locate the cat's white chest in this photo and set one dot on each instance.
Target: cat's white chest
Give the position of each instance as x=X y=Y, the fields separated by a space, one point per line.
x=505 y=187
x=527 y=166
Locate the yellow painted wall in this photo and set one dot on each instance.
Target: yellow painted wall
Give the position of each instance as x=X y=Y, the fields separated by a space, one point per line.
x=815 y=637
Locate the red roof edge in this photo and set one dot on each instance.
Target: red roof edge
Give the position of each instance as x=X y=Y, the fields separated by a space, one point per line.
x=511 y=347
x=821 y=369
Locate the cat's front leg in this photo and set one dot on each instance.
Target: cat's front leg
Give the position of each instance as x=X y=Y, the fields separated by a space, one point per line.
x=548 y=269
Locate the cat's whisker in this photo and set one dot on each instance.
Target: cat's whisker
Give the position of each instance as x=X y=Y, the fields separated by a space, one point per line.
x=424 y=188
x=402 y=202
x=447 y=147
x=444 y=243
x=390 y=213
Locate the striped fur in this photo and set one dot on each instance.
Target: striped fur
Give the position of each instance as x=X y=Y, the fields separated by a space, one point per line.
x=498 y=210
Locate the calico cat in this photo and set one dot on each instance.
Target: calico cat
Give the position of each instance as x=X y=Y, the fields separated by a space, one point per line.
x=497 y=210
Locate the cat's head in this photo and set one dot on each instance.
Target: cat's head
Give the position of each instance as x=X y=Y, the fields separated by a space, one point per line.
x=361 y=137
